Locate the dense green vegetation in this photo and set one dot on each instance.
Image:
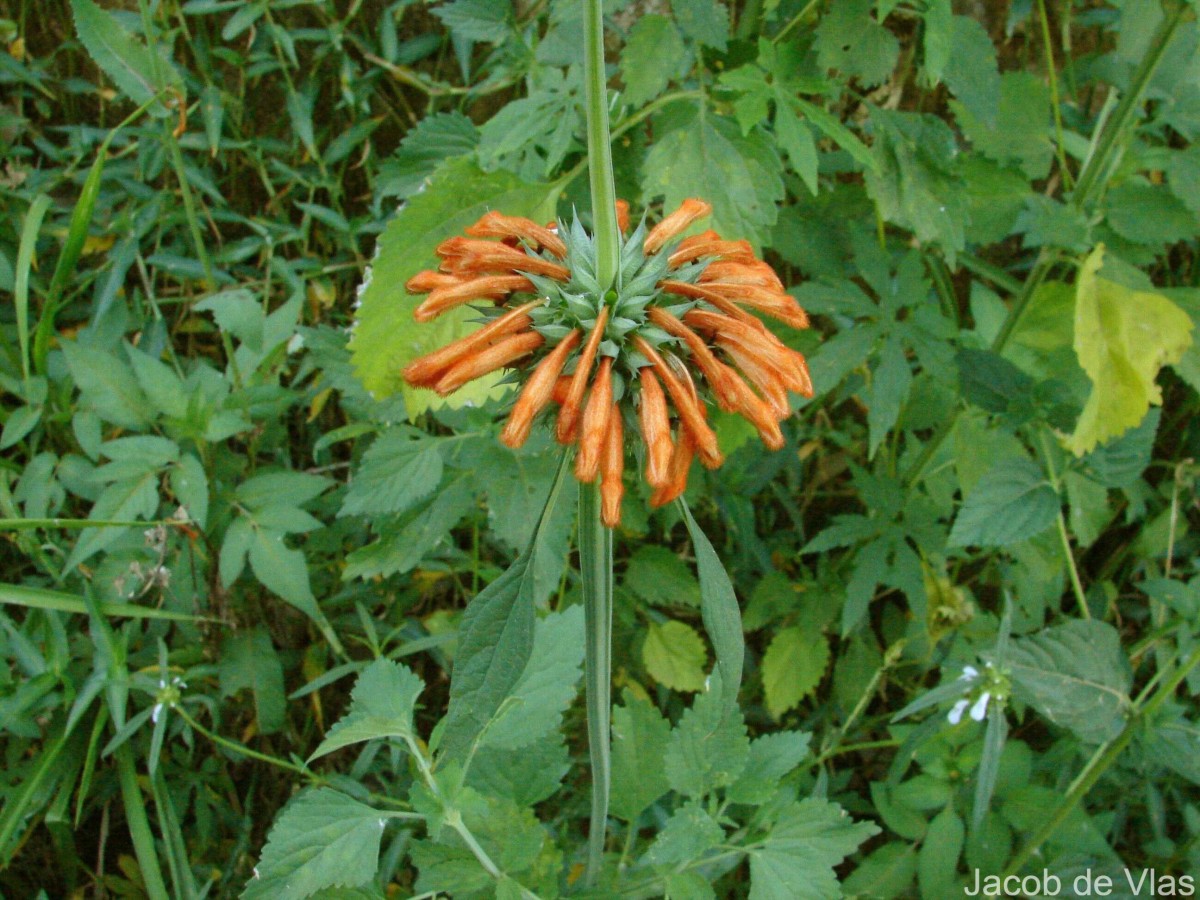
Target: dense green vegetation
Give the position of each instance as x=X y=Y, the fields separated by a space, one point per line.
x=238 y=548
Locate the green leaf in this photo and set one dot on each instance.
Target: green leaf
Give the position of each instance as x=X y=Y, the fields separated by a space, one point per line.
x=130 y=498
x=659 y=577
x=1122 y=338
x=772 y=756
x=381 y=706
x=937 y=39
x=831 y=126
x=675 y=656
x=639 y=744
x=386 y=338
x=527 y=775
x=708 y=748
x=1120 y=462
x=720 y=611
x=425 y=146
x=189 y=483
x=280 y=488
x=406 y=542
x=1012 y=502
x=916 y=183
x=792 y=668
x=283 y=571
x=162 y=387
x=704 y=21
x=1020 y=135
x=1076 y=675
x=796 y=859
x=796 y=140
x=937 y=862
x=547 y=686
x=689 y=834
x=890 y=382
x=477 y=20
x=107 y=386
x=708 y=156
x=650 y=58
x=886 y=873
x=1149 y=214
x=323 y=839
x=851 y=41
x=401 y=468
x=135 y=70
x=495 y=641
x=249 y=660
x=990 y=381
x=971 y=72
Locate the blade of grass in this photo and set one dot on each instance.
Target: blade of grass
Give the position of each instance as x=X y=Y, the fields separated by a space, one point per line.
x=44 y=598
x=29 y=233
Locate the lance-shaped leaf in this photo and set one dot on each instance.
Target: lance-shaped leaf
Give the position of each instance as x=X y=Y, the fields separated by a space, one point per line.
x=381 y=705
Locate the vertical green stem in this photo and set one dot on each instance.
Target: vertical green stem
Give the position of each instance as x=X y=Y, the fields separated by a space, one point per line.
x=595 y=565
x=139 y=825
x=600 y=171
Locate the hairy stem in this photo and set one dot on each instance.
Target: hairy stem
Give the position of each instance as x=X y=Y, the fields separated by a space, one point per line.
x=595 y=564
x=600 y=171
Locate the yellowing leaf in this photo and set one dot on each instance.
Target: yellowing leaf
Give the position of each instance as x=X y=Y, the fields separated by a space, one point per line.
x=1122 y=338
x=792 y=668
x=675 y=656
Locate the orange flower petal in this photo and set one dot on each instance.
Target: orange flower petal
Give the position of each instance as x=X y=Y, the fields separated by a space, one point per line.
x=691 y=411
x=489 y=287
x=700 y=292
x=569 y=414
x=505 y=351
x=428 y=280
x=774 y=303
x=681 y=463
x=623 y=215
x=763 y=378
x=612 y=470
x=537 y=392
x=726 y=272
x=427 y=370
x=464 y=255
x=689 y=211
x=656 y=428
x=594 y=428
x=497 y=225
x=692 y=250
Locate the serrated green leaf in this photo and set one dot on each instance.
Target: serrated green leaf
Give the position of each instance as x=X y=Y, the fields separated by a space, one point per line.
x=381 y=706
x=135 y=70
x=850 y=40
x=107 y=385
x=675 y=656
x=527 y=775
x=1122 y=338
x=796 y=140
x=708 y=748
x=639 y=744
x=890 y=382
x=1012 y=502
x=495 y=641
x=689 y=834
x=426 y=146
x=401 y=468
x=650 y=58
x=707 y=156
x=323 y=839
x=1076 y=675
x=189 y=484
x=283 y=571
x=970 y=72
x=1021 y=134
x=796 y=859
x=886 y=873
x=772 y=756
x=704 y=21
x=546 y=688
x=793 y=666
x=477 y=20
x=659 y=577
x=386 y=338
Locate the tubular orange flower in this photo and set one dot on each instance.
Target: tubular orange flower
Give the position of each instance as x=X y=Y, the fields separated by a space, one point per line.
x=679 y=328
x=612 y=470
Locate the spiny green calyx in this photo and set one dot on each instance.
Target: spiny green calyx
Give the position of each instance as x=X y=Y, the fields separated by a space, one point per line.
x=674 y=324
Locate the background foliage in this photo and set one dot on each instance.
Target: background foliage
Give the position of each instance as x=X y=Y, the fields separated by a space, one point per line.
x=233 y=554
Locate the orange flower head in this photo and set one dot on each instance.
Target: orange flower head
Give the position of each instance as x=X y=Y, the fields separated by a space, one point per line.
x=678 y=330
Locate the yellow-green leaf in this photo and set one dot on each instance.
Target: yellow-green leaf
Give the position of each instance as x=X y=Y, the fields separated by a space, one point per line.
x=1122 y=338
x=675 y=656
x=386 y=338
x=792 y=668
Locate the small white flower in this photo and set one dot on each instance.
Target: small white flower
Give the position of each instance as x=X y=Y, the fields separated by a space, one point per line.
x=969 y=673
x=156 y=712
x=979 y=710
x=956 y=712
